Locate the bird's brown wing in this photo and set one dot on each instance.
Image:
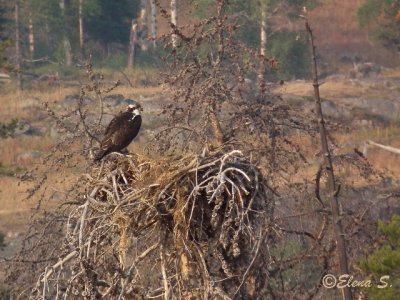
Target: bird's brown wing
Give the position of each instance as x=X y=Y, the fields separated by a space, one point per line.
x=114 y=123
x=119 y=133
x=106 y=146
x=107 y=142
x=123 y=136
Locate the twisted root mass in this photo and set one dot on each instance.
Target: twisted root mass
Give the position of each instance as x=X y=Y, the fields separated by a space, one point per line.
x=193 y=227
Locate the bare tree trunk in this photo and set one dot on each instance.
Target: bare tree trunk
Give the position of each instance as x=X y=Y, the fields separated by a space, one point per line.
x=216 y=126
x=18 y=61
x=47 y=31
x=213 y=109
x=153 y=22
x=81 y=40
x=174 y=22
x=132 y=45
x=31 y=37
x=263 y=27
x=66 y=42
x=333 y=187
x=143 y=14
x=142 y=28
x=263 y=45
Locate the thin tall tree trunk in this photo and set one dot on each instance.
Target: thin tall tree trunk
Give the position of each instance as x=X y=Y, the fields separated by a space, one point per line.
x=263 y=45
x=18 y=61
x=132 y=45
x=153 y=22
x=213 y=109
x=143 y=14
x=142 y=26
x=333 y=187
x=66 y=42
x=47 y=31
x=81 y=40
x=174 y=21
x=263 y=27
x=31 y=37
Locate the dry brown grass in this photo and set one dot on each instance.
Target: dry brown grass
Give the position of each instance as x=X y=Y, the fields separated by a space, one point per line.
x=329 y=89
x=13 y=211
x=382 y=160
x=391 y=73
x=12 y=150
x=16 y=207
x=13 y=103
x=337 y=33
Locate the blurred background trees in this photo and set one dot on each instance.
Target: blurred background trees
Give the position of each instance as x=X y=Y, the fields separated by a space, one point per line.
x=274 y=28
x=62 y=32
x=57 y=35
x=5 y=42
x=382 y=19
x=385 y=261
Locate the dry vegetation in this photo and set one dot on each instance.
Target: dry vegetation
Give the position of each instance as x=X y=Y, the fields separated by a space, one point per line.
x=226 y=200
x=338 y=34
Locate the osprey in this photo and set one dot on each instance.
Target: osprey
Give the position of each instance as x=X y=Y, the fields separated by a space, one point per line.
x=122 y=129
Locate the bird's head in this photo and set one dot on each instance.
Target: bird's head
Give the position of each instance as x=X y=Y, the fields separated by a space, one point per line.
x=136 y=108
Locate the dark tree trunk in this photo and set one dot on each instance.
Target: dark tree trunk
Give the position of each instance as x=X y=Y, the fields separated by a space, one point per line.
x=132 y=45
x=66 y=42
x=81 y=35
x=18 y=62
x=332 y=185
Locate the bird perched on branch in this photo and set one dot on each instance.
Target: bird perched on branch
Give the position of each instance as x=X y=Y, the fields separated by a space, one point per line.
x=122 y=129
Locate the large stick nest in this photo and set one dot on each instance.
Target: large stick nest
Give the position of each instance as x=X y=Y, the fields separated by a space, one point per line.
x=193 y=227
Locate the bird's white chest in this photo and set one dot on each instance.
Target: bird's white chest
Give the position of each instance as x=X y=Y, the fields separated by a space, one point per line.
x=134 y=115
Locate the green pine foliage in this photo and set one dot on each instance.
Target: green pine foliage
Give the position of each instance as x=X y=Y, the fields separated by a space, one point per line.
x=107 y=26
x=7 y=129
x=109 y=21
x=105 y=22
x=385 y=261
x=382 y=19
x=5 y=292
x=2 y=243
x=47 y=23
x=290 y=49
x=5 y=42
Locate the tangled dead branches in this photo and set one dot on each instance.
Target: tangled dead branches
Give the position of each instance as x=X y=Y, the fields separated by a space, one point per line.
x=203 y=226
x=196 y=225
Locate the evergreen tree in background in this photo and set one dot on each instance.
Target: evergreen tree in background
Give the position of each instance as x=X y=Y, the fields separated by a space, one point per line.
x=47 y=23
x=109 y=22
x=2 y=243
x=105 y=22
x=288 y=43
x=271 y=27
x=5 y=41
x=385 y=261
x=382 y=19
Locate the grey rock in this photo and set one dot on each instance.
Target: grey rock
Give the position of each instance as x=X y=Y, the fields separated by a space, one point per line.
x=383 y=108
x=28 y=156
x=71 y=100
x=25 y=128
x=129 y=102
x=113 y=100
x=334 y=110
x=31 y=101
